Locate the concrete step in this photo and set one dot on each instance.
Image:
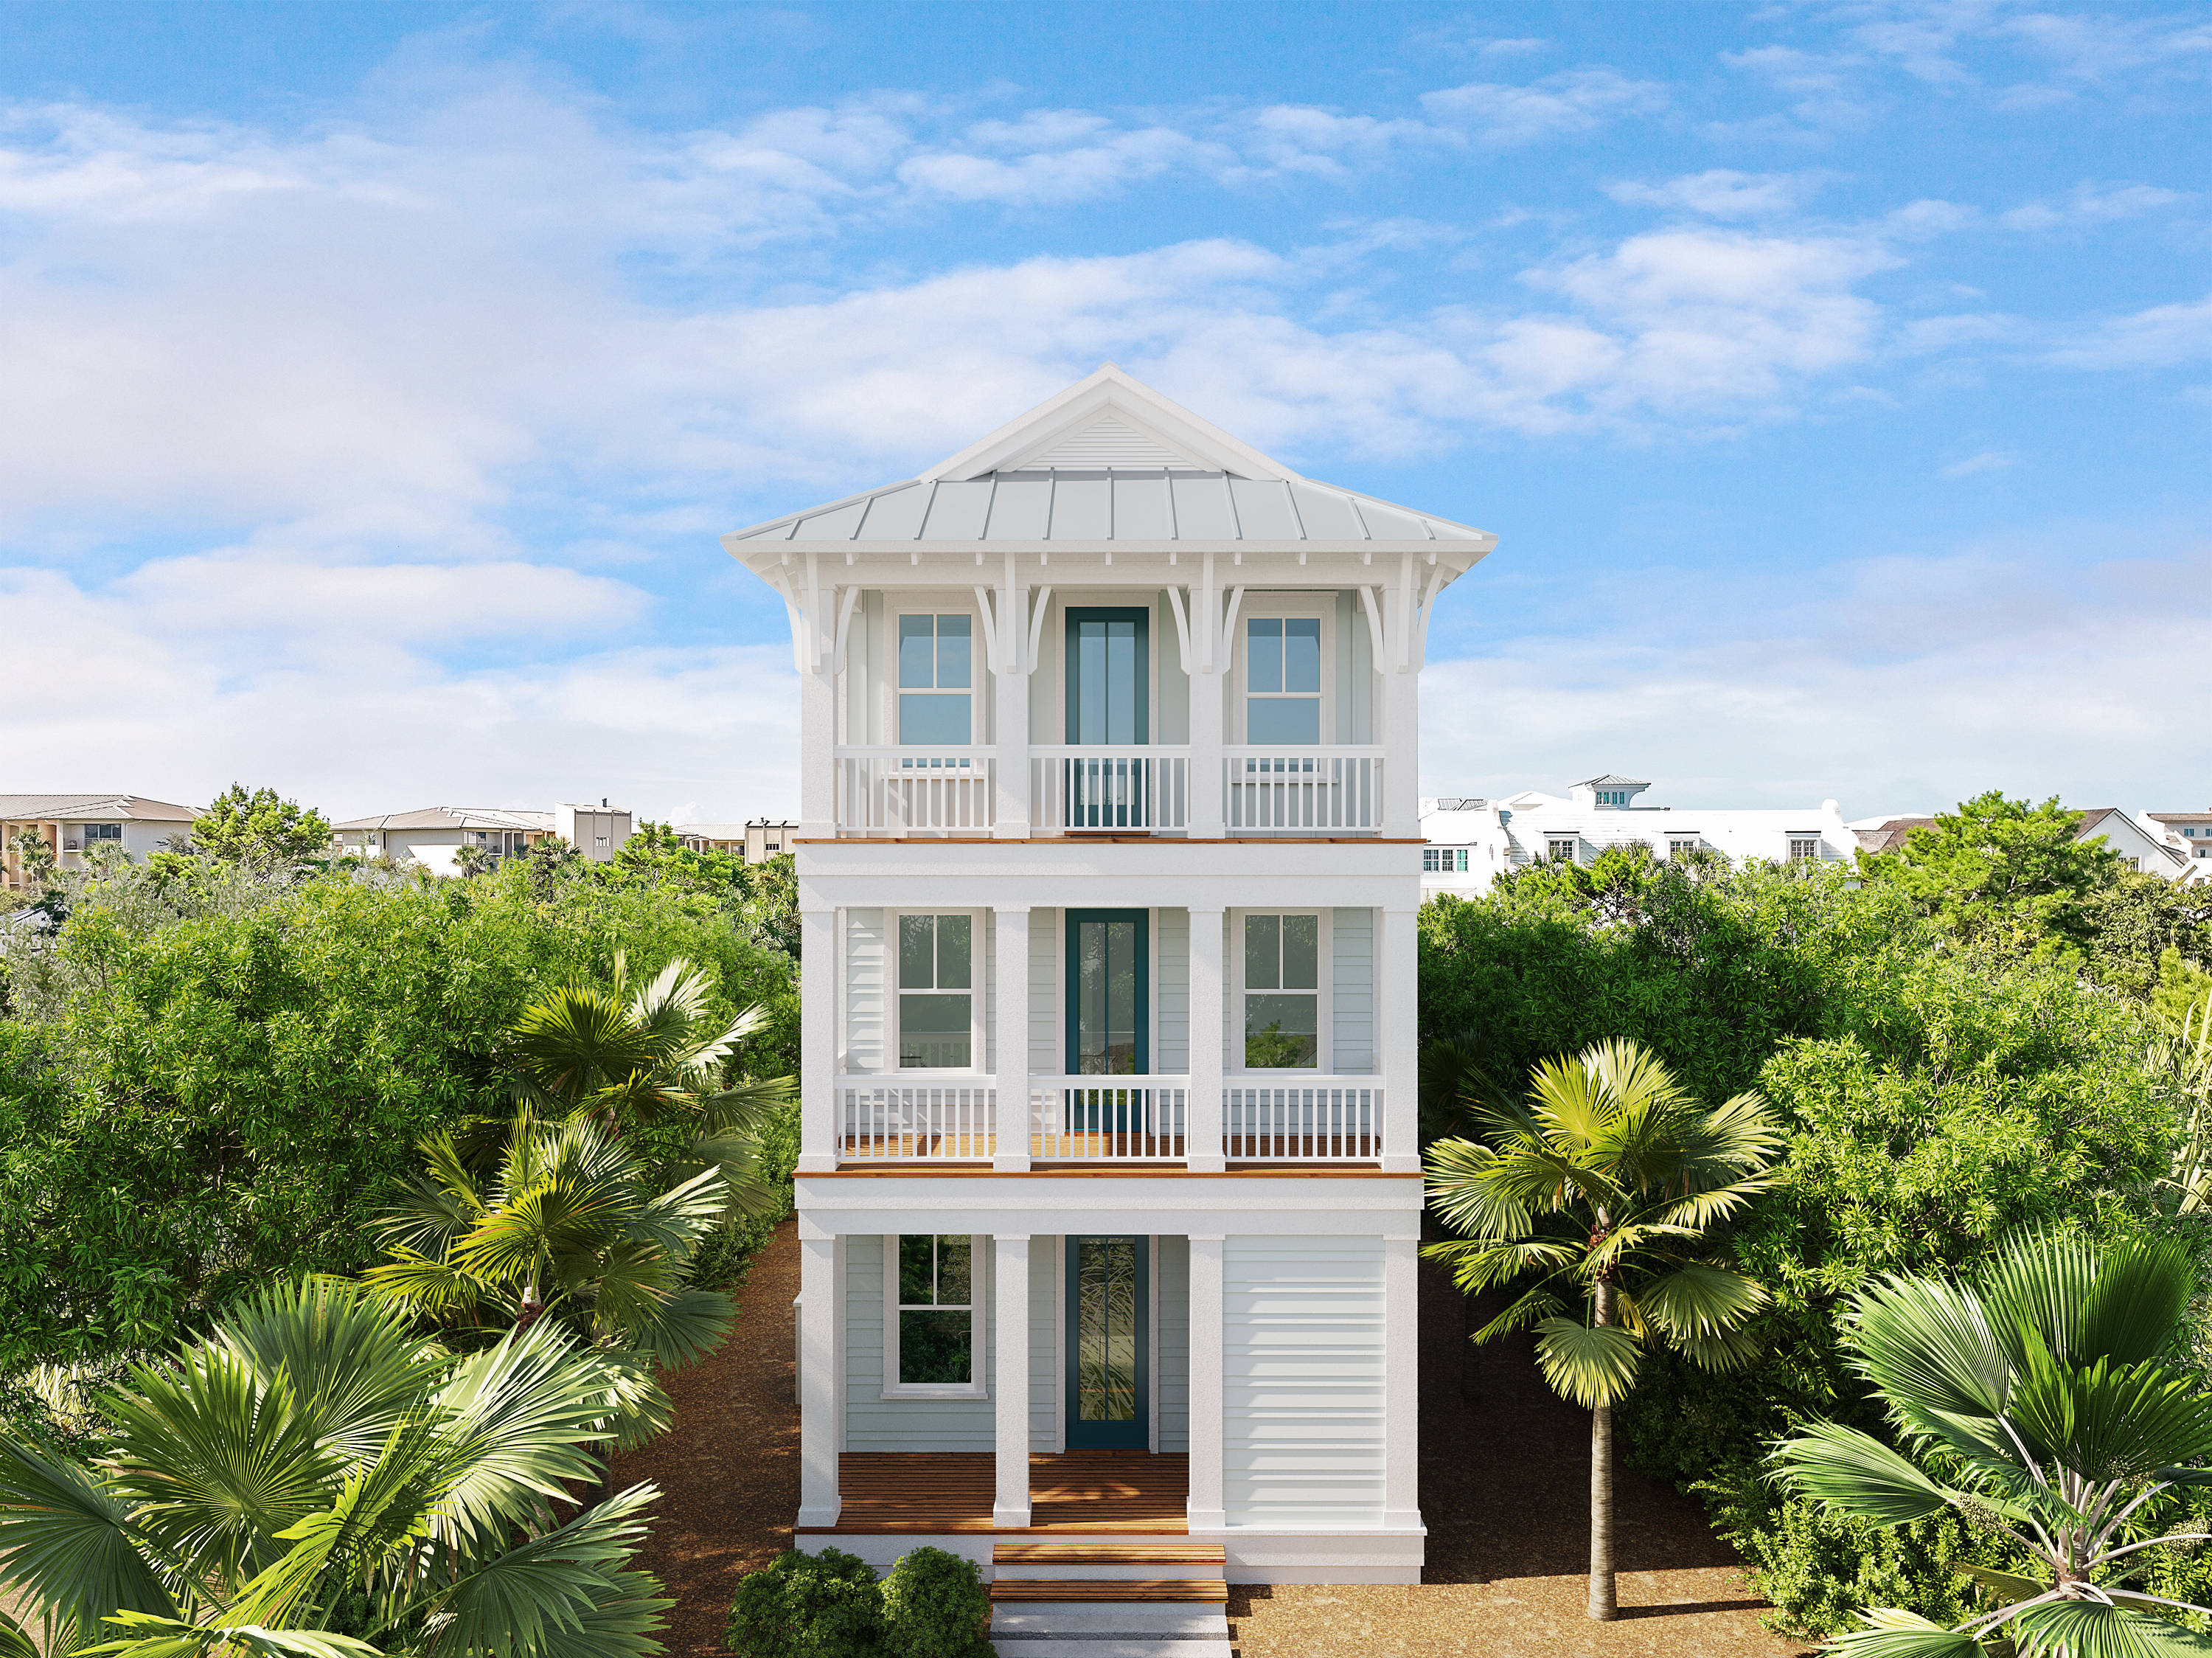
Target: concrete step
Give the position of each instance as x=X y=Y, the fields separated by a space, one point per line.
x=1077 y=1591
x=1110 y=1646
x=1129 y=1630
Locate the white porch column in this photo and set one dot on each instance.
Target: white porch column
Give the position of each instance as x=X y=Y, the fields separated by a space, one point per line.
x=1207 y=672
x=1206 y=1512
x=1397 y=990
x=817 y=1041
x=818 y=1500
x=1011 y=1154
x=1202 y=1141
x=1010 y=1504
x=1012 y=814
x=818 y=755
x=1401 y=1383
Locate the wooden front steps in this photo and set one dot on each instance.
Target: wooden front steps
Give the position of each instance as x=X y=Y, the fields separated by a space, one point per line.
x=1205 y=1591
x=1109 y=1554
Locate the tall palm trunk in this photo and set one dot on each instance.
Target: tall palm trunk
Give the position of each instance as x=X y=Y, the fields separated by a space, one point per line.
x=1603 y=1603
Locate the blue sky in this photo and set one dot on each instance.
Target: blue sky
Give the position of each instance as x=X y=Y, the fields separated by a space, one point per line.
x=1839 y=377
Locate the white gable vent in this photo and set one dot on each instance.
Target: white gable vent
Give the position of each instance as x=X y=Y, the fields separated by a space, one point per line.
x=1110 y=441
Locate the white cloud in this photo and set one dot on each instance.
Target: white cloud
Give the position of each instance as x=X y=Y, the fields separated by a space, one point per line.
x=1723 y=193
x=2154 y=338
x=1504 y=117
x=1988 y=461
x=2090 y=203
x=1886 y=686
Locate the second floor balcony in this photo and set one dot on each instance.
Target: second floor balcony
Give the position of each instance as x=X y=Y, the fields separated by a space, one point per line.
x=899 y=791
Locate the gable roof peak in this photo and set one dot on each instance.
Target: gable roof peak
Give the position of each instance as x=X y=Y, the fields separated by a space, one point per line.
x=1110 y=417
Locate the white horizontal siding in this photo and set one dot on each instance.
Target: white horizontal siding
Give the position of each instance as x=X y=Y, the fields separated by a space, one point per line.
x=1171 y=1365
x=1353 y=983
x=990 y=991
x=864 y=990
x=1044 y=993
x=1171 y=997
x=873 y=1422
x=1301 y=1375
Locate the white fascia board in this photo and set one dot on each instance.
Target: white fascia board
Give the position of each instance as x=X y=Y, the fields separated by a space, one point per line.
x=1047 y=1206
x=1059 y=415
x=1454 y=554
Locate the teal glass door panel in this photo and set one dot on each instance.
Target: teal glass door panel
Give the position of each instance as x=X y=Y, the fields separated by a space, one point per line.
x=1109 y=676
x=1108 y=993
x=1109 y=1395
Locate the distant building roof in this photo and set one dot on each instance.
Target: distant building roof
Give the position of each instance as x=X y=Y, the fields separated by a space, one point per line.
x=451 y=817
x=1609 y=781
x=717 y=830
x=1890 y=837
x=2180 y=817
x=137 y=808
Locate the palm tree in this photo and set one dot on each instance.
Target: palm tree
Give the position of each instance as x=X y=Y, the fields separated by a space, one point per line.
x=1605 y=1187
x=649 y=1061
x=312 y=1479
x=2049 y=1391
x=577 y=1226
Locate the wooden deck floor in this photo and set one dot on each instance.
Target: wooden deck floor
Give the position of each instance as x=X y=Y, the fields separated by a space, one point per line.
x=1073 y=1491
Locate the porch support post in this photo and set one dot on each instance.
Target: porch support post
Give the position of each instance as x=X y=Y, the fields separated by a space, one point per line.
x=817 y=1041
x=1402 y=1399
x=1010 y=1504
x=1204 y=1511
x=1202 y=1139
x=1397 y=989
x=1011 y=1152
x=1011 y=816
x=1398 y=696
x=818 y=1500
x=1207 y=676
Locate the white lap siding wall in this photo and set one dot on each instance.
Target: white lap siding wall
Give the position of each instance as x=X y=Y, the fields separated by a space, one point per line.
x=1172 y=1367
x=1302 y=1370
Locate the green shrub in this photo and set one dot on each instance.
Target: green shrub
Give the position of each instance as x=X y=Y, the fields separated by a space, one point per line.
x=809 y=1606
x=935 y=1605
x=728 y=1255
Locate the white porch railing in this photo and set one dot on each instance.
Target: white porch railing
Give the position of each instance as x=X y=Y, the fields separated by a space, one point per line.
x=1107 y=1118
x=1313 y=1119
x=1314 y=790
x=938 y=1121
x=910 y=790
x=1100 y=788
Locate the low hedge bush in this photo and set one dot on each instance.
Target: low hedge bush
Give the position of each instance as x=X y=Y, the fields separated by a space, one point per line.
x=830 y=1604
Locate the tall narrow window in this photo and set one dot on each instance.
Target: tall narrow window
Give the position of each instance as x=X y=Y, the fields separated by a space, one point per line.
x=1282 y=992
x=934 y=674
x=1106 y=675
x=936 y=1311
x=936 y=993
x=1282 y=679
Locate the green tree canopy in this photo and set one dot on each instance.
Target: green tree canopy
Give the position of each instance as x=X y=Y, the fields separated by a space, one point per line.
x=2002 y=872
x=257 y=827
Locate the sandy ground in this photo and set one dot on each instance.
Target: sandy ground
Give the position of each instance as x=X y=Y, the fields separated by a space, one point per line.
x=1504 y=1488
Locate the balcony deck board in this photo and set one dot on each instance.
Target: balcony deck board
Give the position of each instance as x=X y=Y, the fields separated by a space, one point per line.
x=938 y=1492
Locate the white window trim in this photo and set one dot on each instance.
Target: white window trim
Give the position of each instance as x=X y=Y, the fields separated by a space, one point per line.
x=978 y=1051
x=1324 y=1062
x=1263 y=607
x=979 y=677
x=979 y=1289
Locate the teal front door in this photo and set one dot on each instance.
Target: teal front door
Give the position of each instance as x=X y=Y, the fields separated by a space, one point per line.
x=1109 y=1395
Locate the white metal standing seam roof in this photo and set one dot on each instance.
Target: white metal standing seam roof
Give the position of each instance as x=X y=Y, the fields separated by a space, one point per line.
x=1094 y=503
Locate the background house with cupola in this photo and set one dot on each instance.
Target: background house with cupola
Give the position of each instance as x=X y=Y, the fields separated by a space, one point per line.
x=1109 y=861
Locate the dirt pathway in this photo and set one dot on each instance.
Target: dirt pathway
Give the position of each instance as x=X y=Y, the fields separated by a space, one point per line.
x=1504 y=1489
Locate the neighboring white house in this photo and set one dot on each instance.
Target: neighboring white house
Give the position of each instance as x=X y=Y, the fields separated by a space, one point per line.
x=74 y=824
x=1110 y=1193
x=434 y=835
x=753 y=842
x=1472 y=839
x=2188 y=836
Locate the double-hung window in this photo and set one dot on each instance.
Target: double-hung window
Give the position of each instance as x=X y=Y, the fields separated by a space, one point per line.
x=935 y=665
x=1282 y=992
x=932 y=1323
x=1803 y=848
x=1444 y=858
x=1560 y=849
x=1282 y=679
x=936 y=993
x=97 y=834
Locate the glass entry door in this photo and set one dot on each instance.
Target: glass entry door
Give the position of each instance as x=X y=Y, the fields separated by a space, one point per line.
x=1109 y=1401
x=1108 y=993
x=1109 y=675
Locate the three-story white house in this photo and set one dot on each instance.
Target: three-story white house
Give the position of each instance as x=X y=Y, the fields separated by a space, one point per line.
x=1108 y=858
